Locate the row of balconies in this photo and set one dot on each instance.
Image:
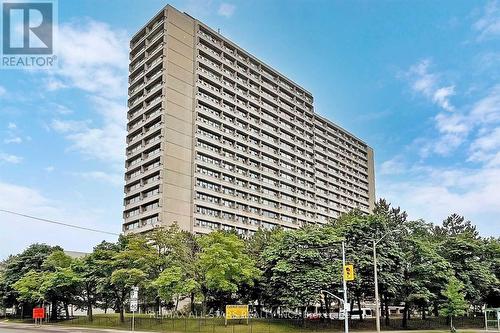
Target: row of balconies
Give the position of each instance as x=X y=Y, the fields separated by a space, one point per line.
x=277 y=162
x=350 y=155
x=245 y=121
x=262 y=125
x=214 y=212
x=237 y=76
x=157 y=66
x=238 y=216
x=257 y=140
x=143 y=132
x=303 y=170
x=332 y=134
x=285 y=170
x=146 y=74
x=146 y=85
x=284 y=115
x=263 y=104
x=152 y=54
x=252 y=206
x=257 y=66
x=281 y=189
x=273 y=99
x=304 y=197
x=253 y=88
x=222 y=148
x=148 y=33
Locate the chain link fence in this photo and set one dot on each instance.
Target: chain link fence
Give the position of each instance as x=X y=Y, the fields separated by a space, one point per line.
x=267 y=325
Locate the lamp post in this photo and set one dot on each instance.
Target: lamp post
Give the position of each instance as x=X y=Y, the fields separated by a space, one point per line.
x=346 y=319
x=375 y=275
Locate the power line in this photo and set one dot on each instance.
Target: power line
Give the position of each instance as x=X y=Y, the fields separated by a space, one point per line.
x=58 y=223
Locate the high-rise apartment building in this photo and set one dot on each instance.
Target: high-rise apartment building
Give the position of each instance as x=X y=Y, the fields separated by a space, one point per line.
x=219 y=140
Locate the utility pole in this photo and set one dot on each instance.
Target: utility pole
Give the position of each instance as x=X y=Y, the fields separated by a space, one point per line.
x=346 y=319
x=377 y=302
x=375 y=277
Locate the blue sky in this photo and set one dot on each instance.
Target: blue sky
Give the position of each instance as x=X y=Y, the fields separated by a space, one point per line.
x=418 y=81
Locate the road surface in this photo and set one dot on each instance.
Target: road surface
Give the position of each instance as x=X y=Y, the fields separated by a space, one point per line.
x=23 y=328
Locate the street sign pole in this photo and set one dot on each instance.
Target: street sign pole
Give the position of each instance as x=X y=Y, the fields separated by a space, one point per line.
x=134 y=297
x=346 y=319
x=375 y=275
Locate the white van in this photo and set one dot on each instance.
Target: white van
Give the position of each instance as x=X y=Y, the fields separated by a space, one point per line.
x=354 y=314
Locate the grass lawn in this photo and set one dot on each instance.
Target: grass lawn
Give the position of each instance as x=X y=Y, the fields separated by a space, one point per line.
x=216 y=325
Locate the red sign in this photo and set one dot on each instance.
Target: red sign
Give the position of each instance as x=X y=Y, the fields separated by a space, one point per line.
x=38 y=313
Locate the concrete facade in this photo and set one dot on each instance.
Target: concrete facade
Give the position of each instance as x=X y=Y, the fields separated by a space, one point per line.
x=219 y=140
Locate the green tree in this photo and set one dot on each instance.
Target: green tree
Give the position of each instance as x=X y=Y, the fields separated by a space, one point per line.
x=28 y=288
x=467 y=253
x=60 y=286
x=360 y=231
x=175 y=283
x=16 y=266
x=300 y=263
x=176 y=253
x=223 y=266
x=455 y=304
x=455 y=225
x=132 y=265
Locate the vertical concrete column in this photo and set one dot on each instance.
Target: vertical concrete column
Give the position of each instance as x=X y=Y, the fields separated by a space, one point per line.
x=179 y=120
x=371 y=177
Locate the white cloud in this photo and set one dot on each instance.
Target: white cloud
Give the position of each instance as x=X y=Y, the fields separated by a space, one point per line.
x=423 y=81
x=487 y=109
x=112 y=178
x=433 y=194
x=470 y=189
x=13 y=140
x=31 y=201
x=92 y=57
x=488 y=25
x=488 y=142
x=66 y=126
x=226 y=9
x=50 y=168
x=52 y=84
x=442 y=95
x=8 y=158
x=393 y=166
x=3 y=91
x=11 y=126
x=106 y=143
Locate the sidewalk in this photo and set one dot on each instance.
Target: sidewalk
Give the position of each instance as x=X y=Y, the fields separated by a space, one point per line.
x=28 y=328
x=8 y=327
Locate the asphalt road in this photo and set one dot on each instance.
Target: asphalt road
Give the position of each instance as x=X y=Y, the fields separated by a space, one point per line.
x=20 y=328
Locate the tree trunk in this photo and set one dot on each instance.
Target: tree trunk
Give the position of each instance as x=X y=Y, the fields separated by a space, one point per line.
x=89 y=310
x=424 y=310
x=53 y=313
x=436 y=309
x=122 y=313
x=358 y=301
x=157 y=306
x=405 y=316
x=66 y=309
x=386 y=303
x=191 y=302
x=327 y=307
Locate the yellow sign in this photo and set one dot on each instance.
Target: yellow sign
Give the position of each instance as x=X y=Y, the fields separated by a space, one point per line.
x=236 y=312
x=349 y=272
